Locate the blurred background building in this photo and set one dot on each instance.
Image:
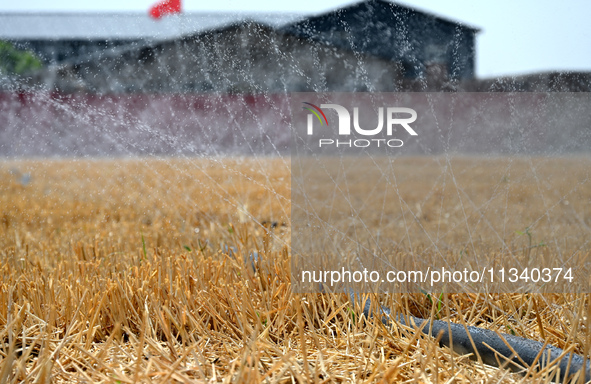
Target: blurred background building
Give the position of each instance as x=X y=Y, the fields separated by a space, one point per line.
x=373 y=45
x=102 y=84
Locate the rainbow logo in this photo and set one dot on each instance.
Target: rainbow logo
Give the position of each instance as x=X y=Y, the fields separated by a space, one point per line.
x=314 y=112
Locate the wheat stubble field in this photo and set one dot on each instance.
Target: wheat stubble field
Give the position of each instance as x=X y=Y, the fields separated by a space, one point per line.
x=132 y=270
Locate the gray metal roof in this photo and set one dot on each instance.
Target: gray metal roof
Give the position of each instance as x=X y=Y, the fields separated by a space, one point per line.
x=131 y=25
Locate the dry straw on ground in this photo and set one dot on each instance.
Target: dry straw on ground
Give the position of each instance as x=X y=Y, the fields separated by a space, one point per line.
x=126 y=271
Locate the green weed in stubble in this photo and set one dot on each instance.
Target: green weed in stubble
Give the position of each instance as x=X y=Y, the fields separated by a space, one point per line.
x=143 y=247
x=263 y=321
x=439 y=302
x=511 y=331
x=201 y=246
x=530 y=245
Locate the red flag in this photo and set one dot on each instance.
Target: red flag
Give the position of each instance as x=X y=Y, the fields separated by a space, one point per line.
x=165 y=7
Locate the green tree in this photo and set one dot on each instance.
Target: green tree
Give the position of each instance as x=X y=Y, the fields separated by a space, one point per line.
x=17 y=62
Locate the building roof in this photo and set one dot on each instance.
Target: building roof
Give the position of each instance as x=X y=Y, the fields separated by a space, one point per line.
x=431 y=14
x=125 y=26
x=391 y=3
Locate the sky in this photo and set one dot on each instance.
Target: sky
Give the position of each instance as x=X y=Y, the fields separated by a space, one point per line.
x=517 y=36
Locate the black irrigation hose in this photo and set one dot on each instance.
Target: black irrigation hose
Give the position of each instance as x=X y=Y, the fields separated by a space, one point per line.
x=486 y=341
